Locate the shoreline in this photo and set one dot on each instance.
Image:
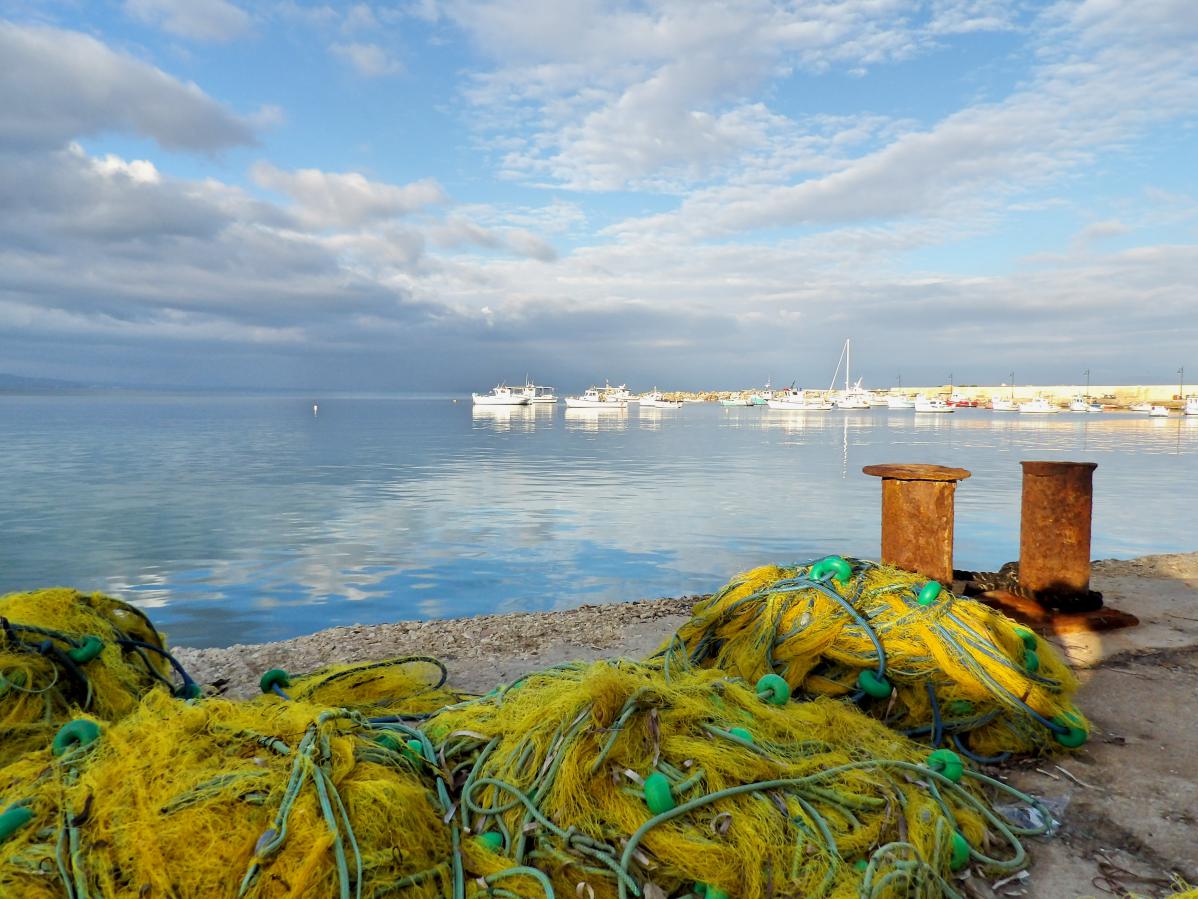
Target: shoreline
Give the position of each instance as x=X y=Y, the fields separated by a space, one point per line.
x=1125 y=799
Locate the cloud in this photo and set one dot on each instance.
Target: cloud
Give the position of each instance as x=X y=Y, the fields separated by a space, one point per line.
x=368 y=60
x=60 y=85
x=198 y=20
x=340 y=200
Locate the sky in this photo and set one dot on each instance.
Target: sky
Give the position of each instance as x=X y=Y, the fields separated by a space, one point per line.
x=444 y=194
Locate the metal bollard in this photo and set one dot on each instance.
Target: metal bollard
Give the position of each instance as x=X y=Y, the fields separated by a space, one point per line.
x=917 y=517
x=1054 y=534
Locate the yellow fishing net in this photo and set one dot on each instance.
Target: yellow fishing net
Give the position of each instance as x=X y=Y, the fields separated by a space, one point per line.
x=928 y=663
x=63 y=652
x=216 y=798
x=618 y=779
x=411 y=685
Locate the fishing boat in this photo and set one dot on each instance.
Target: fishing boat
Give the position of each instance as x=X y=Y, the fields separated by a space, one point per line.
x=961 y=401
x=1079 y=404
x=899 y=402
x=1159 y=411
x=1095 y=407
x=501 y=395
x=1191 y=407
x=1140 y=407
x=538 y=394
x=1008 y=405
x=763 y=396
x=737 y=401
x=594 y=398
x=798 y=401
x=655 y=400
x=1038 y=406
x=924 y=403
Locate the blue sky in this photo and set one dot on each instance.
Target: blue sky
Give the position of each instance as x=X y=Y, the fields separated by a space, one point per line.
x=446 y=193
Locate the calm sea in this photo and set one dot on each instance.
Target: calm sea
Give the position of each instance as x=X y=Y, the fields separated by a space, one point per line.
x=247 y=518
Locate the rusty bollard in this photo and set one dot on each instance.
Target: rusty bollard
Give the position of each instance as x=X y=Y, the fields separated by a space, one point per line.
x=1054 y=534
x=917 y=517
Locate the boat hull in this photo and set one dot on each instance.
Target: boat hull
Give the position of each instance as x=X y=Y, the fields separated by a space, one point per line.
x=487 y=400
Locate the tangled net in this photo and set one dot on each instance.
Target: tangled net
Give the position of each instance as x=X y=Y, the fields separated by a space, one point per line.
x=63 y=653
x=929 y=664
x=690 y=775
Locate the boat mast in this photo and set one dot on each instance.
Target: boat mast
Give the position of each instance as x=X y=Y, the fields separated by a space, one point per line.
x=848 y=363
x=1012 y=387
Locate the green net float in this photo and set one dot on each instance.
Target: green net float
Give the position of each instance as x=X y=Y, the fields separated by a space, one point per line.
x=774 y=689
x=1028 y=637
x=272 y=679
x=861 y=865
x=13 y=819
x=960 y=708
x=1069 y=735
x=1031 y=661
x=832 y=565
x=715 y=893
x=413 y=749
x=389 y=741
x=930 y=593
x=190 y=690
x=85 y=652
x=492 y=841
x=658 y=794
x=960 y=855
x=947 y=763
x=874 y=685
x=742 y=733
x=75 y=734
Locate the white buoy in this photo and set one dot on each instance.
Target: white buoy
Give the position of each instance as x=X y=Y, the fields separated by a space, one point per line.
x=315 y=408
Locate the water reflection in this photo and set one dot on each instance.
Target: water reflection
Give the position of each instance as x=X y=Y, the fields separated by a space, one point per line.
x=244 y=519
x=595 y=420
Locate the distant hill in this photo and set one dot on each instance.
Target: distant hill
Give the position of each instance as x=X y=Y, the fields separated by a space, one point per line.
x=19 y=383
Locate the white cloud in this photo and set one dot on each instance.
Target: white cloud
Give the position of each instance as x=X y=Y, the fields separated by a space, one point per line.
x=199 y=20
x=59 y=85
x=368 y=60
x=345 y=199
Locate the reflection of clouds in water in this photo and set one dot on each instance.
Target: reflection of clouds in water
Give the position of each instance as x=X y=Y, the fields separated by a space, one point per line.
x=253 y=527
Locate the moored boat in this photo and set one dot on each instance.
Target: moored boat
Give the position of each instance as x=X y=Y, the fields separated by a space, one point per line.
x=501 y=395
x=924 y=403
x=1140 y=407
x=900 y=402
x=798 y=401
x=1079 y=404
x=1038 y=406
x=1191 y=407
x=1159 y=411
x=537 y=393
x=656 y=400
x=594 y=398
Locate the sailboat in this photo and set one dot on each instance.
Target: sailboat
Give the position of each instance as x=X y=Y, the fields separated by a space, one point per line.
x=854 y=397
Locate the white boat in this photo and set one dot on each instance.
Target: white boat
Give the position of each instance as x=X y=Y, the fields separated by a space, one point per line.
x=798 y=401
x=502 y=395
x=655 y=400
x=900 y=402
x=538 y=394
x=1140 y=407
x=877 y=399
x=1191 y=405
x=763 y=396
x=1038 y=406
x=1094 y=407
x=925 y=403
x=1079 y=404
x=737 y=401
x=853 y=397
x=1159 y=411
x=1007 y=405
x=594 y=398
x=619 y=394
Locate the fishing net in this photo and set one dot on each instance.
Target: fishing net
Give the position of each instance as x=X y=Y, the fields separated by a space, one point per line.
x=412 y=685
x=63 y=652
x=929 y=664
x=620 y=779
x=217 y=798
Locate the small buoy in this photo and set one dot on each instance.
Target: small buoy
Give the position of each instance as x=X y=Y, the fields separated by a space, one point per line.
x=315 y=408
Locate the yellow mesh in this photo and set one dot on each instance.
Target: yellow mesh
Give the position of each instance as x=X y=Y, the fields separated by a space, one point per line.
x=990 y=691
x=412 y=685
x=40 y=688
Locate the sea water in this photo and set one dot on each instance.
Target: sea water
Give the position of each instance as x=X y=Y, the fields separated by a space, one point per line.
x=236 y=519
